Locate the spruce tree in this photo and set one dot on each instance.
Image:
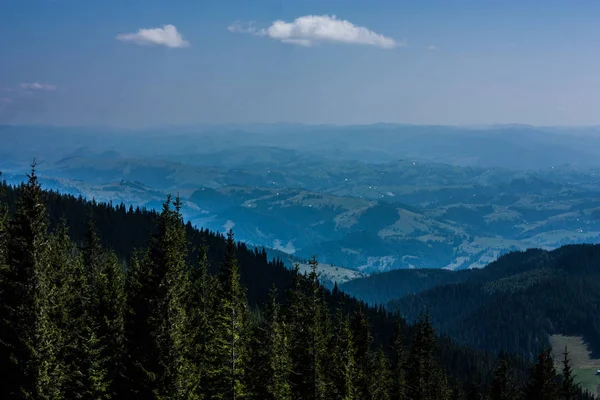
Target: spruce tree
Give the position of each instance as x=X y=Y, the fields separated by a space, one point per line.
x=57 y=357
x=319 y=334
x=342 y=367
x=426 y=380
x=201 y=309
x=543 y=381
x=281 y=362
x=140 y=346
x=270 y=359
x=381 y=380
x=104 y=297
x=308 y=318
x=398 y=365
x=23 y=313
x=157 y=288
x=503 y=386
x=362 y=346
x=297 y=320
x=569 y=389
x=231 y=325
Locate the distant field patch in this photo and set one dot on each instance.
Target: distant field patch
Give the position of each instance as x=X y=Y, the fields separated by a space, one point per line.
x=584 y=365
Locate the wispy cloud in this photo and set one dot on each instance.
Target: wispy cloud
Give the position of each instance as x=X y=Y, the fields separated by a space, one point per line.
x=166 y=36
x=242 y=27
x=27 y=98
x=38 y=86
x=313 y=29
x=431 y=47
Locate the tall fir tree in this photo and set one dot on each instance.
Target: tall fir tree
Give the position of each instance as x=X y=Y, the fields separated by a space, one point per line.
x=363 y=340
x=278 y=347
x=342 y=366
x=297 y=320
x=24 y=289
x=157 y=288
x=280 y=359
x=270 y=359
x=104 y=295
x=543 y=383
x=381 y=381
x=426 y=379
x=309 y=329
x=503 y=386
x=140 y=347
x=569 y=390
x=58 y=356
x=398 y=389
x=319 y=334
x=232 y=329
x=202 y=303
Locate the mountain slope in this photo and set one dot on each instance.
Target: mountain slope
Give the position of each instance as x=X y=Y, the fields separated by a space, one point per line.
x=123 y=230
x=518 y=301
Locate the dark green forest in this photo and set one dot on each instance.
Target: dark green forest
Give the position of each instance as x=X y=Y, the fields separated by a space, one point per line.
x=99 y=301
x=515 y=303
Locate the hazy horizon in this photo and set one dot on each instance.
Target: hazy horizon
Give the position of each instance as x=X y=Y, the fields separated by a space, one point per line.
x=314 y=62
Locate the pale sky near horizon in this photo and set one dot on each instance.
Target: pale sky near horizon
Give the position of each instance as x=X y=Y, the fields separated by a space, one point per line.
x=138 y=63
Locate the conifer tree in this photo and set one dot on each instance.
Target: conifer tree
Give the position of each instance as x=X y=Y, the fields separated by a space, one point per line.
x=201 y=309
x=542 y=381
x=362 y=346
x=569 y=389
x=104 y=297
x=56 y=329
x=270 y=362
x=503 y=386
x=297 y=320
x=232 y=329
x=281 y=361
x=24 y=289
x=278 y=351
x=157 y=287
x=319 y=330
x=140 y=346
x=381 y=380
x=309 y=324
x=398 y=365
x=342 y=368
x=425 y=377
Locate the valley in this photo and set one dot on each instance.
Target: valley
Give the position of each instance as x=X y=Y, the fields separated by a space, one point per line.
x=352 y=211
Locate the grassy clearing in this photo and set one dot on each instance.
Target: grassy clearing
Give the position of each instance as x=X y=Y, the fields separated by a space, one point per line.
x=584 y=365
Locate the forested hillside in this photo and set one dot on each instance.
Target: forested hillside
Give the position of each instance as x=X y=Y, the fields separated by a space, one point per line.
x=103 y=302
x=515 y=303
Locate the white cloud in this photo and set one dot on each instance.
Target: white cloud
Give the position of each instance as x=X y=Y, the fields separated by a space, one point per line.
x=5 y=100
x=38 y=86
x=166 y=36
x=432 y=47
x=242 y=27
x=312 y=29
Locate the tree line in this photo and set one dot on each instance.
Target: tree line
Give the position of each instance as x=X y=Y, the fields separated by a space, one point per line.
x=77 y=321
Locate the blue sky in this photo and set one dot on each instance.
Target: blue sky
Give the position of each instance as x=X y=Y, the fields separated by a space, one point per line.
x=440 y=62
